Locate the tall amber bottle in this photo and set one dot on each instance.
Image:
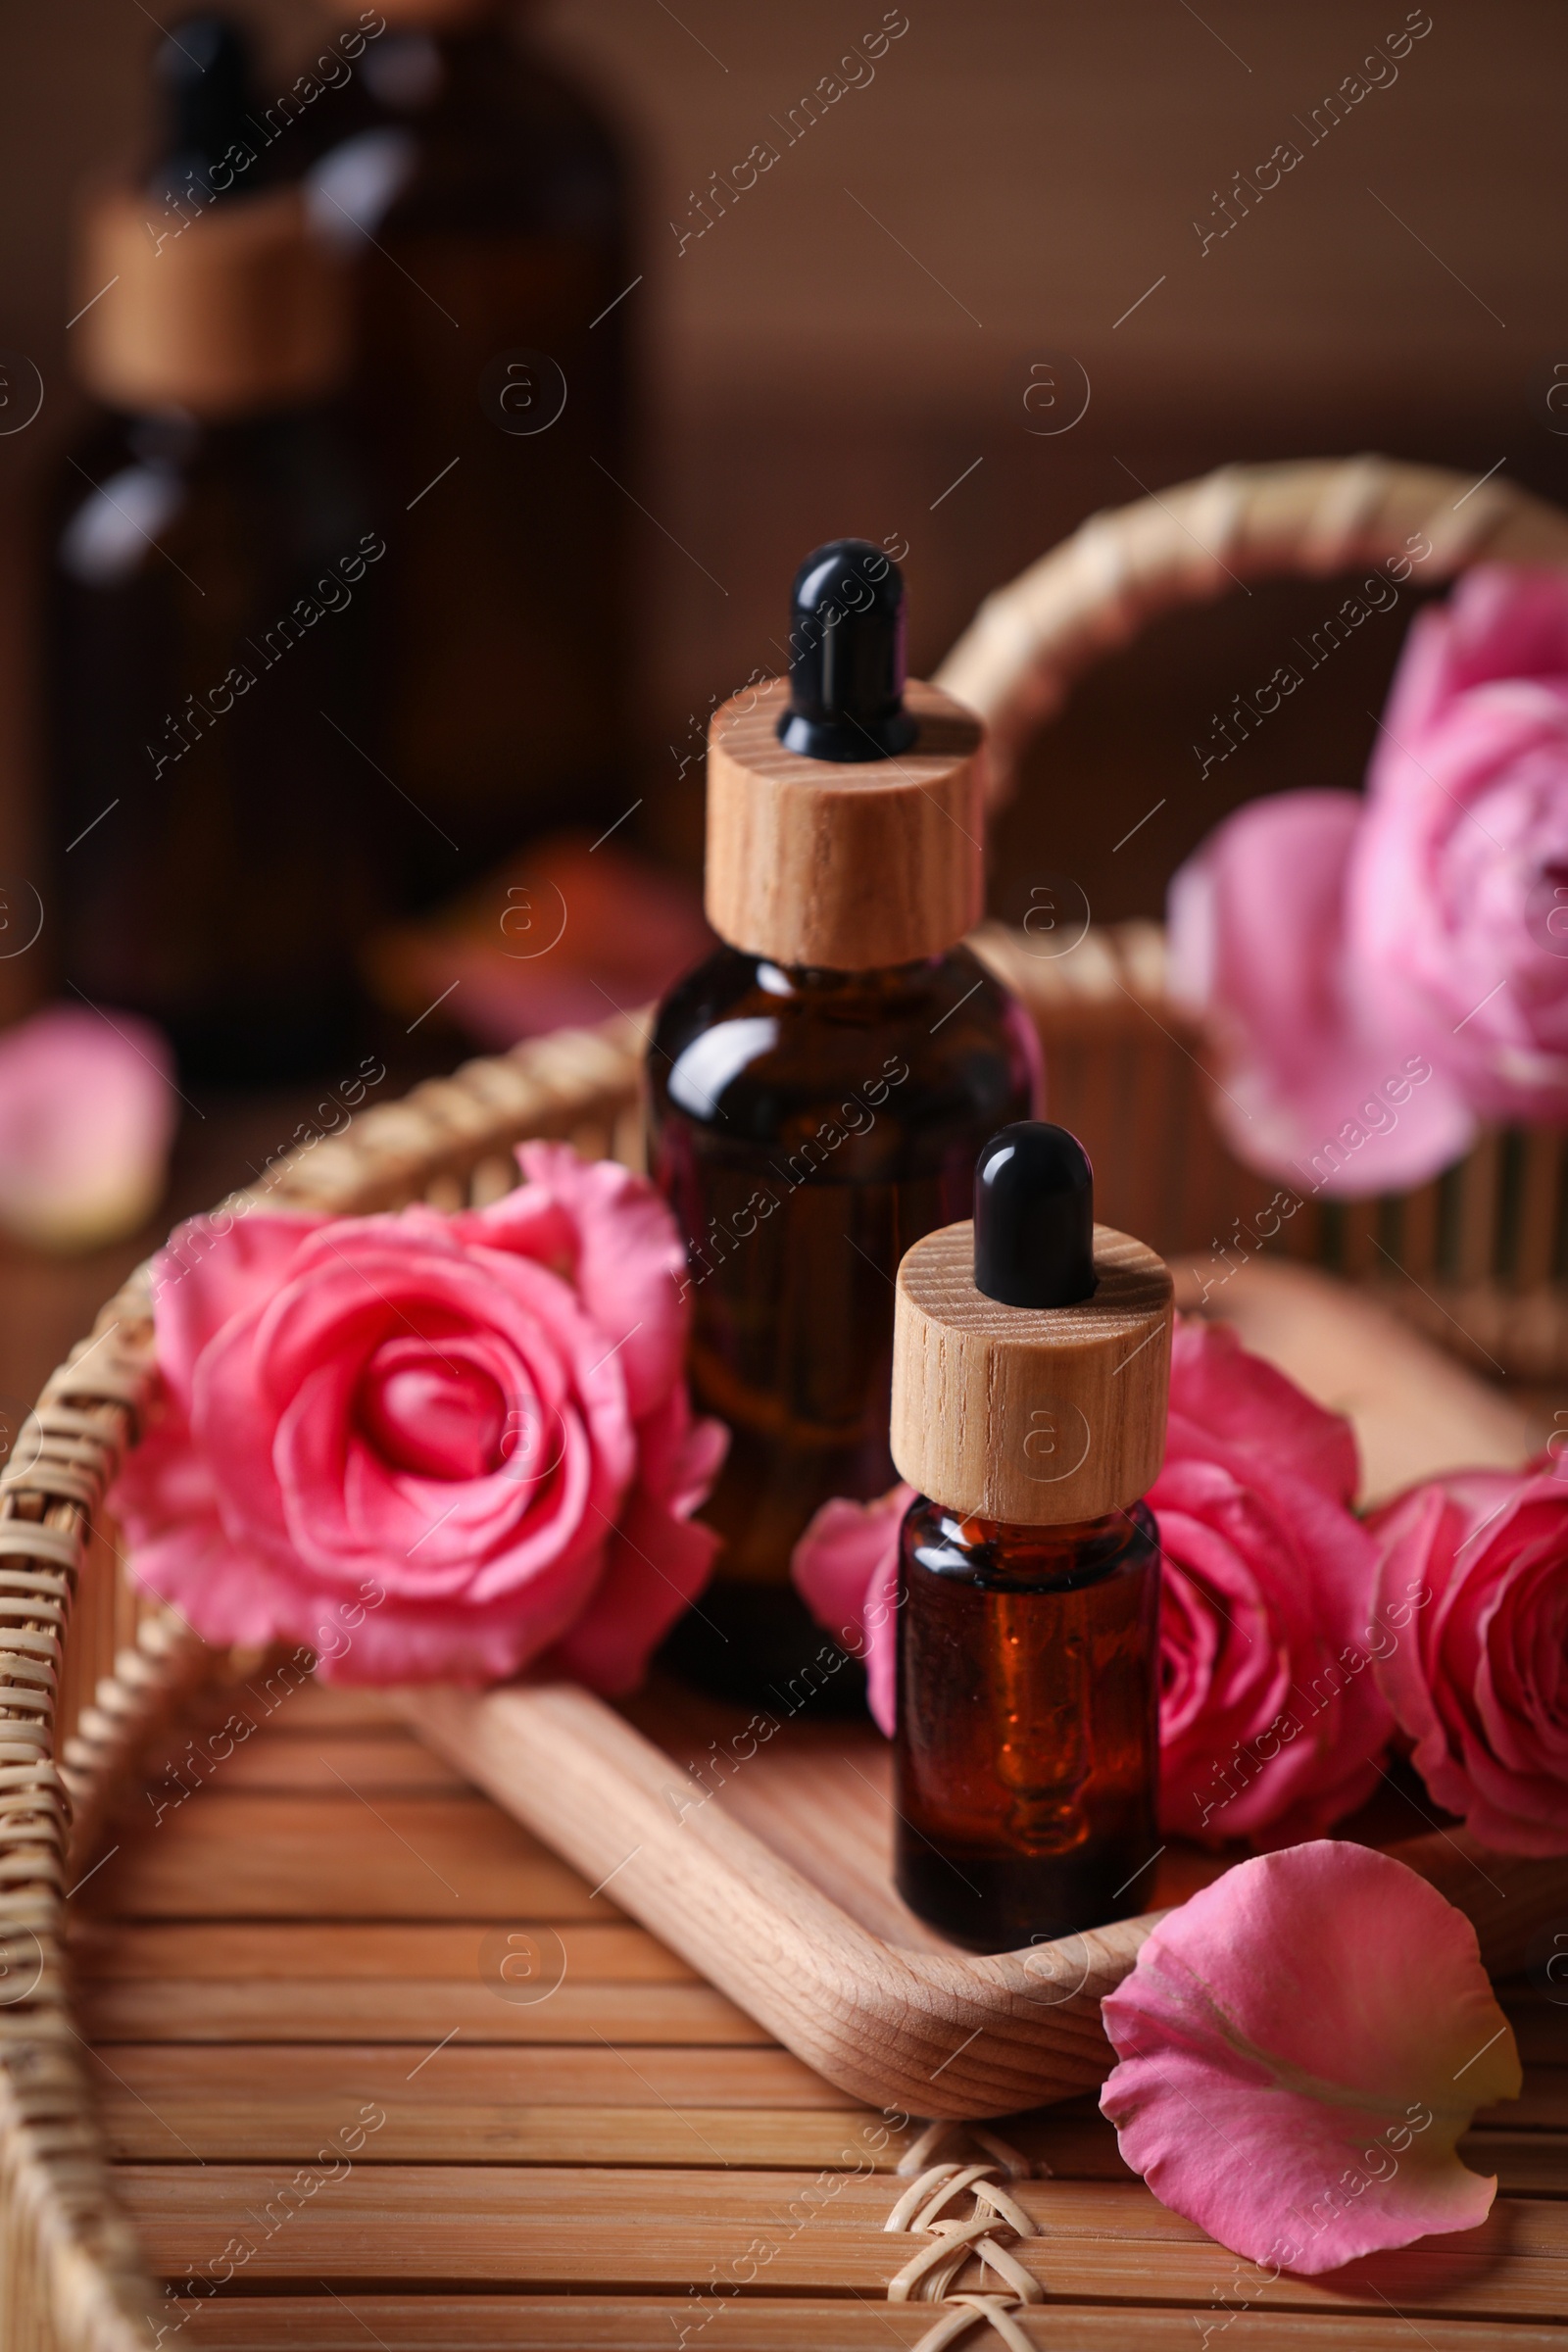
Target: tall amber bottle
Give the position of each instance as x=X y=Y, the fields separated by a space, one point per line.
x=1031 y=1368
x=820 y=1086
x=221 y=834
x=484 y=202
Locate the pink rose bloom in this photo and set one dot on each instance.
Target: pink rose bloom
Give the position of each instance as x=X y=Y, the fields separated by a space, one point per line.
x=1300 y=2047
x=1271 y=1725
x=1479 y=1678
x=432 y=1448
x=1381 y=973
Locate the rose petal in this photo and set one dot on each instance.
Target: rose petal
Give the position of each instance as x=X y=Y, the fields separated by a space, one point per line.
x=211 y=1269
x=846 y=1569
x=1271 y=1721
x=608 y=1646
x=1500 y=621
x=87 y=1113
x=1260 y=950
x=1281 y=2040
x=1258 y=1411
x=614 y=1231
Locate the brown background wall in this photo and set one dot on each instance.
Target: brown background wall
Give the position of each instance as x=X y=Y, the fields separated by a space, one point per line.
x=860 y=330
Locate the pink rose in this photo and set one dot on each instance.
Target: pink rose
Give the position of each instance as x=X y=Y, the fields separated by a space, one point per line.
x=1381 y=973
x=430 y=1447
x=1474 y=1571
x=1270 y=1722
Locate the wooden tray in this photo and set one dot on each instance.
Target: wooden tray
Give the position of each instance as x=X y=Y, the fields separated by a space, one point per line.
x=778 y=1886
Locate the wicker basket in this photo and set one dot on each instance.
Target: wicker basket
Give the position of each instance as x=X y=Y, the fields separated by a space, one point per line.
x=1478 y=1257
x=91 y=1669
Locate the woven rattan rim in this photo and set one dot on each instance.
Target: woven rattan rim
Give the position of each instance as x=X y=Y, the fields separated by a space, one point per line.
x=74 y=2280
x=1029 y=641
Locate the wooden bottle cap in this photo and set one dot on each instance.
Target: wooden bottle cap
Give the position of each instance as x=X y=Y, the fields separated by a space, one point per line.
x=844 y=866
x=1037 y=1417
x=231 y=310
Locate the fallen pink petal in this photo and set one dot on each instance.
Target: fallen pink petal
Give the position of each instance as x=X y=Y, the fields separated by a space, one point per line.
x=1300 y=2048
x=86 y=1116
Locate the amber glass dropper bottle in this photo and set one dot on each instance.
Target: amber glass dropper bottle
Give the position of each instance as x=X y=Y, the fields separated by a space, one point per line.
x=819 y=1089
x=1031 y=1370
x=483 y=200
x=218 y=819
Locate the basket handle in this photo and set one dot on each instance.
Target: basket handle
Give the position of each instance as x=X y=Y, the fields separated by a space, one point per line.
x=1027 y=643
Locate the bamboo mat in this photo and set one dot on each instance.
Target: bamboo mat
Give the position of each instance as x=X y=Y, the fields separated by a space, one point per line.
x=292 y=1974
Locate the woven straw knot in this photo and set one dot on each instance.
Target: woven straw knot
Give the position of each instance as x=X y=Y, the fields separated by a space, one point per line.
x=996 y=2221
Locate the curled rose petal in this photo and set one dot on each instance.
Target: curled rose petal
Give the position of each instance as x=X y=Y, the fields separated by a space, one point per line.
x=1298 y=2048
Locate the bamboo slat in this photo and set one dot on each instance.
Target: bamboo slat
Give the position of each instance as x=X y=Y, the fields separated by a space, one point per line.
x=343 y=1857
x=226 y=1952
x=466 y=2132
x=407 y=2009
x=254 y=2125
x=799 y=2323
x=378 y=1764
x=1542 y=2105
x=426 y=2226
x=343 y=2074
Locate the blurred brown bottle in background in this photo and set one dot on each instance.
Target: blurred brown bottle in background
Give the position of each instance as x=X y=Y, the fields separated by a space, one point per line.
x=219 y=837
x=481 y=202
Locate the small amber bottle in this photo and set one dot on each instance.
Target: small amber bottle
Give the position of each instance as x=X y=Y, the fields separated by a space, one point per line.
x=819 y=1087
x=1031 y=1369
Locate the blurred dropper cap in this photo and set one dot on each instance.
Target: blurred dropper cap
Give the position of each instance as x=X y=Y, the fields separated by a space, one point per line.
x=202 y=75
x=202 y=288
x=1031 y=1349
x=845 y=818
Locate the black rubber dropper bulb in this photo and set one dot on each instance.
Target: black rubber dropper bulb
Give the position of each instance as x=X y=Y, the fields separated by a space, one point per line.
x=847 y=664
x=204 y=72
x=1034 y=1217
